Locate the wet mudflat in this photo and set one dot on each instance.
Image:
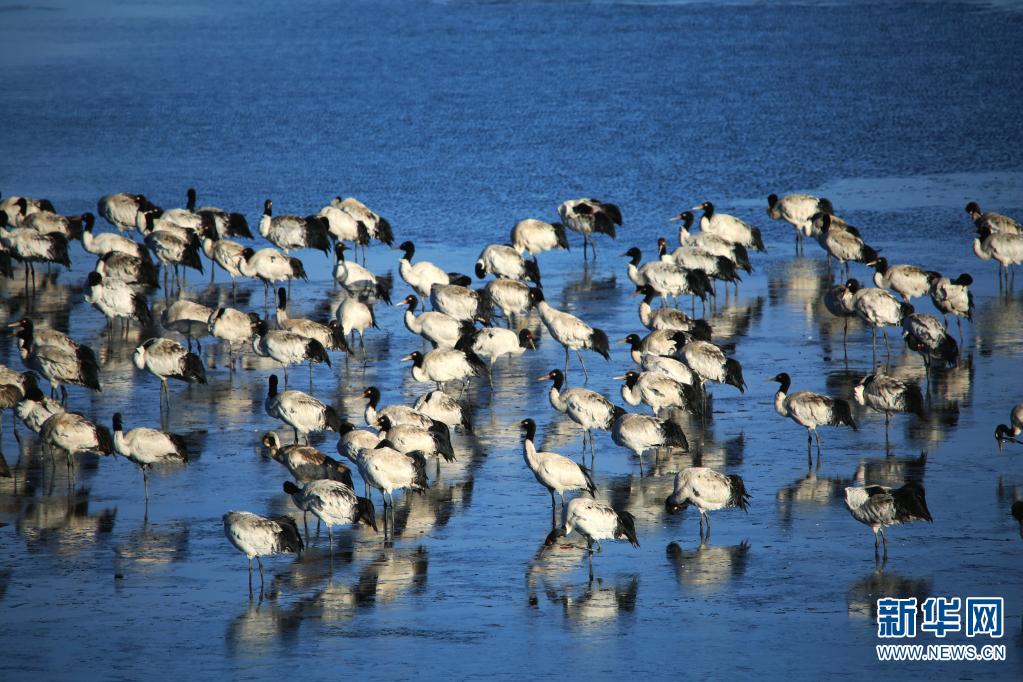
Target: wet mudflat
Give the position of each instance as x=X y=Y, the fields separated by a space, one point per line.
x=899 y=126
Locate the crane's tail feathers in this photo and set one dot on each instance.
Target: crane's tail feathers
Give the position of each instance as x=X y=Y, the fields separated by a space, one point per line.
x=740 y=497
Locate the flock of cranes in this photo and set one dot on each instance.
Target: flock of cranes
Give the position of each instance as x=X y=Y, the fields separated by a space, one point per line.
x=676 y=359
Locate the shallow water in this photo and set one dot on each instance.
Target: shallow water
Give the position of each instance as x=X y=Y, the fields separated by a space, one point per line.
x=454 y=120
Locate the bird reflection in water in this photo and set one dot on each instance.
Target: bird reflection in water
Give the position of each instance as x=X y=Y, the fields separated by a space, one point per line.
x=708 y=567
x=862 y=596
x=63 y=524
x=591 y=604
x=891 y=471
x=810 y=489
x=152 y=547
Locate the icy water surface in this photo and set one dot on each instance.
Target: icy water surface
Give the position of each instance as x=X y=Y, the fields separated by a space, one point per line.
x=455 y=120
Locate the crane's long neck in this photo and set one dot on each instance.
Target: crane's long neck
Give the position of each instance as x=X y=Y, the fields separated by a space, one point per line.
x=645 y=314
x=412 y=322
x=779 y=403
x=529 y=452
x=979 y=251
x=264 y=224
x=120 y=445
x=634 y=275
x=556 y=402
x=371 y=414
x=630 y=394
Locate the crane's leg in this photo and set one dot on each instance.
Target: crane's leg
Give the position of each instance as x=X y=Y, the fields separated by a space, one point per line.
x=586 y=375
x=250 y=577
x=566 y=361
x=876 y=543
x=592 y=454
x=145 y=484
x=554 y=514
x=708 y=525
x=887 y=348
x=260 y=562
x=959 y=323
x=884 y=540
x=701 y=527
x=809 y=444
x=818 y=436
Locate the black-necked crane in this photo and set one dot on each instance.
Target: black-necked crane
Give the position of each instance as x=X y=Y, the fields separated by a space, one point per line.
x=587 y=216
x=1005 y=248
x=879 y=309
x=333 y=503
x=398 y=414
x=926 y=335
x=35 y=408
x=494 y=342
x=811 y=410
x=461 y=302
x=667 y=279
x=287 y=348
x=595 y=521
x=304 y=462
x=996 y=222
x=19 y=208
x=360 y=281
x=669 y=318
x=292 y=232
x=47 y=222
x=502 y=260
x=302 y=412
x=423 y=275
x=121 y=210
x=222 y=252
x=535 y=236
x=377 y=227
x=884 y=393
x=511 y=296
x=440 y=329
x=224 y=224
x=330 y=335
x=659 y=391
x=121 y=267
x=355 y=314
x=32 y=337
x=407 y=437
x=344 y=227
x=640 y=432
x=107 y=242
x=174 y=247
x=729 y=227
x=168 y=359
x=676 y=369
x=387 y=470
x=441 y=407
x=571 y=332
x=117 y=300
x=233 y=327
x=711 y=243
x=710 y=364
x=271 y=266
x=30 y=247
x=691 y=258
x=880 y=507
x=555 y=472
x=73 y=433
x=188 y=318
x=258 y=536
x=147 y=447
x=185 y=217
x=352 y=440
x=589 y=409
x=12 y=392
x=707 y=490
x=1010 y=433
x=61 y=364
x=840 y=301
x=908 y=281
x=662 y=342
x=952 y=296
x=843 y=244
x=797 y=210
x=442 y=365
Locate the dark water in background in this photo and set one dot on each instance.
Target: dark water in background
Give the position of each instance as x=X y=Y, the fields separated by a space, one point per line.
x=455 y=120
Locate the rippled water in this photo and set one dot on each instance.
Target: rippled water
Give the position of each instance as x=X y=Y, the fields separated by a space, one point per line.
x=454 y=120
